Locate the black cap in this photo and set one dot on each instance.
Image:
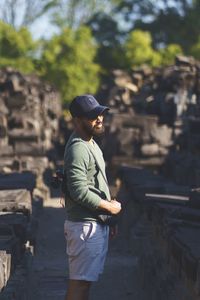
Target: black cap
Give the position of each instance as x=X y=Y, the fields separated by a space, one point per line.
x=86 y=106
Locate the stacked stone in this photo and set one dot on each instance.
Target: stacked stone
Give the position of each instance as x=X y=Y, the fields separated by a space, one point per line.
x=164 y=234
x=153 y=112
x=29 y=113
x=19 y=213
x=167 y=92
x=158 y=127
x=29 y=125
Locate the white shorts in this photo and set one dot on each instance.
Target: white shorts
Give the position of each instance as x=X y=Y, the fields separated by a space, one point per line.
x=87 y=245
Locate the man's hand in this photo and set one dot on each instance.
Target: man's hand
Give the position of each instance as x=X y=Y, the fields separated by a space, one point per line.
x=113 y=206
x=62 y=202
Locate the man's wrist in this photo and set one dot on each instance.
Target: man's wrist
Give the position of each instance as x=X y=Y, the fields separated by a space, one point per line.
x=105 y=205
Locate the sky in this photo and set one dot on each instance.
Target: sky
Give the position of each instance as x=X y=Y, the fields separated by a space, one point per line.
x=40 y=28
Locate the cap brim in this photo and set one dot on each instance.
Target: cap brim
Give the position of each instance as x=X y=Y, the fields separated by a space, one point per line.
x=99 y=110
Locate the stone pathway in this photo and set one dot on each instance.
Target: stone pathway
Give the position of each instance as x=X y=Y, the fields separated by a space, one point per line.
x=48 y=277
x=117 y=281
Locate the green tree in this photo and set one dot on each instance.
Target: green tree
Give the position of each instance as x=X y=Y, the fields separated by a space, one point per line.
x=169 y=22
x=75 y=13
x=108 y=37
x=16 y=48
x=68 y=62
x=138 y=49
x=195 y=49
x=168 y=53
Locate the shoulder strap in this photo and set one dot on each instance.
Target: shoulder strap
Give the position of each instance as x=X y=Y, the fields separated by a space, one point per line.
x=94 y=156
x=97 y=163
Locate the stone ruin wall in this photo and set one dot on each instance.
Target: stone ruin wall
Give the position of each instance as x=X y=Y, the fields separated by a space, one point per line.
x=153 y=145
x=29 y=127
x=155 y=113
x=151 y=142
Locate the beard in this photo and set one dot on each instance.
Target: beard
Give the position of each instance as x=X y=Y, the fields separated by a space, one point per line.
x=98 y=131
x=93 y=130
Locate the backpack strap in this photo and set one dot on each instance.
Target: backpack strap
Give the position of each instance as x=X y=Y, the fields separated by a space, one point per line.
x=97 y=163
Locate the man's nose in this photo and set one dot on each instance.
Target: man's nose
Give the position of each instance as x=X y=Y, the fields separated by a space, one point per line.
x=100 y=118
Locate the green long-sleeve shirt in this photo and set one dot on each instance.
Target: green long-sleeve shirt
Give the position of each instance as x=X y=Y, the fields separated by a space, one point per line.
x=85 y=182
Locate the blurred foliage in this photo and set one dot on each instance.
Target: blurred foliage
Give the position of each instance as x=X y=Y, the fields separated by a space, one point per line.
x=16 y=48
x=195 y=49
x=169 y=22
x=110 y=57
x=91 y=42
x=74 y=13
x=169 y=53
x=68 y=62
x=138 y=49
x=105 y=29
x=108 y=36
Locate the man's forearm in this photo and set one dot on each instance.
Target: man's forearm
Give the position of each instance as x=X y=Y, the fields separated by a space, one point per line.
x=112 y=206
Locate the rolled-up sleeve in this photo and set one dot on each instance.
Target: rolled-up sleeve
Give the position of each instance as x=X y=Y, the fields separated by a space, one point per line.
x=76 y=167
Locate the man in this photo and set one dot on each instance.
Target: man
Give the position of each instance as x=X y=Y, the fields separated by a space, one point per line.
x=84 y=167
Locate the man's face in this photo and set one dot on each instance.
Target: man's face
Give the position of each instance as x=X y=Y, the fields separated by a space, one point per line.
x=93 y=127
